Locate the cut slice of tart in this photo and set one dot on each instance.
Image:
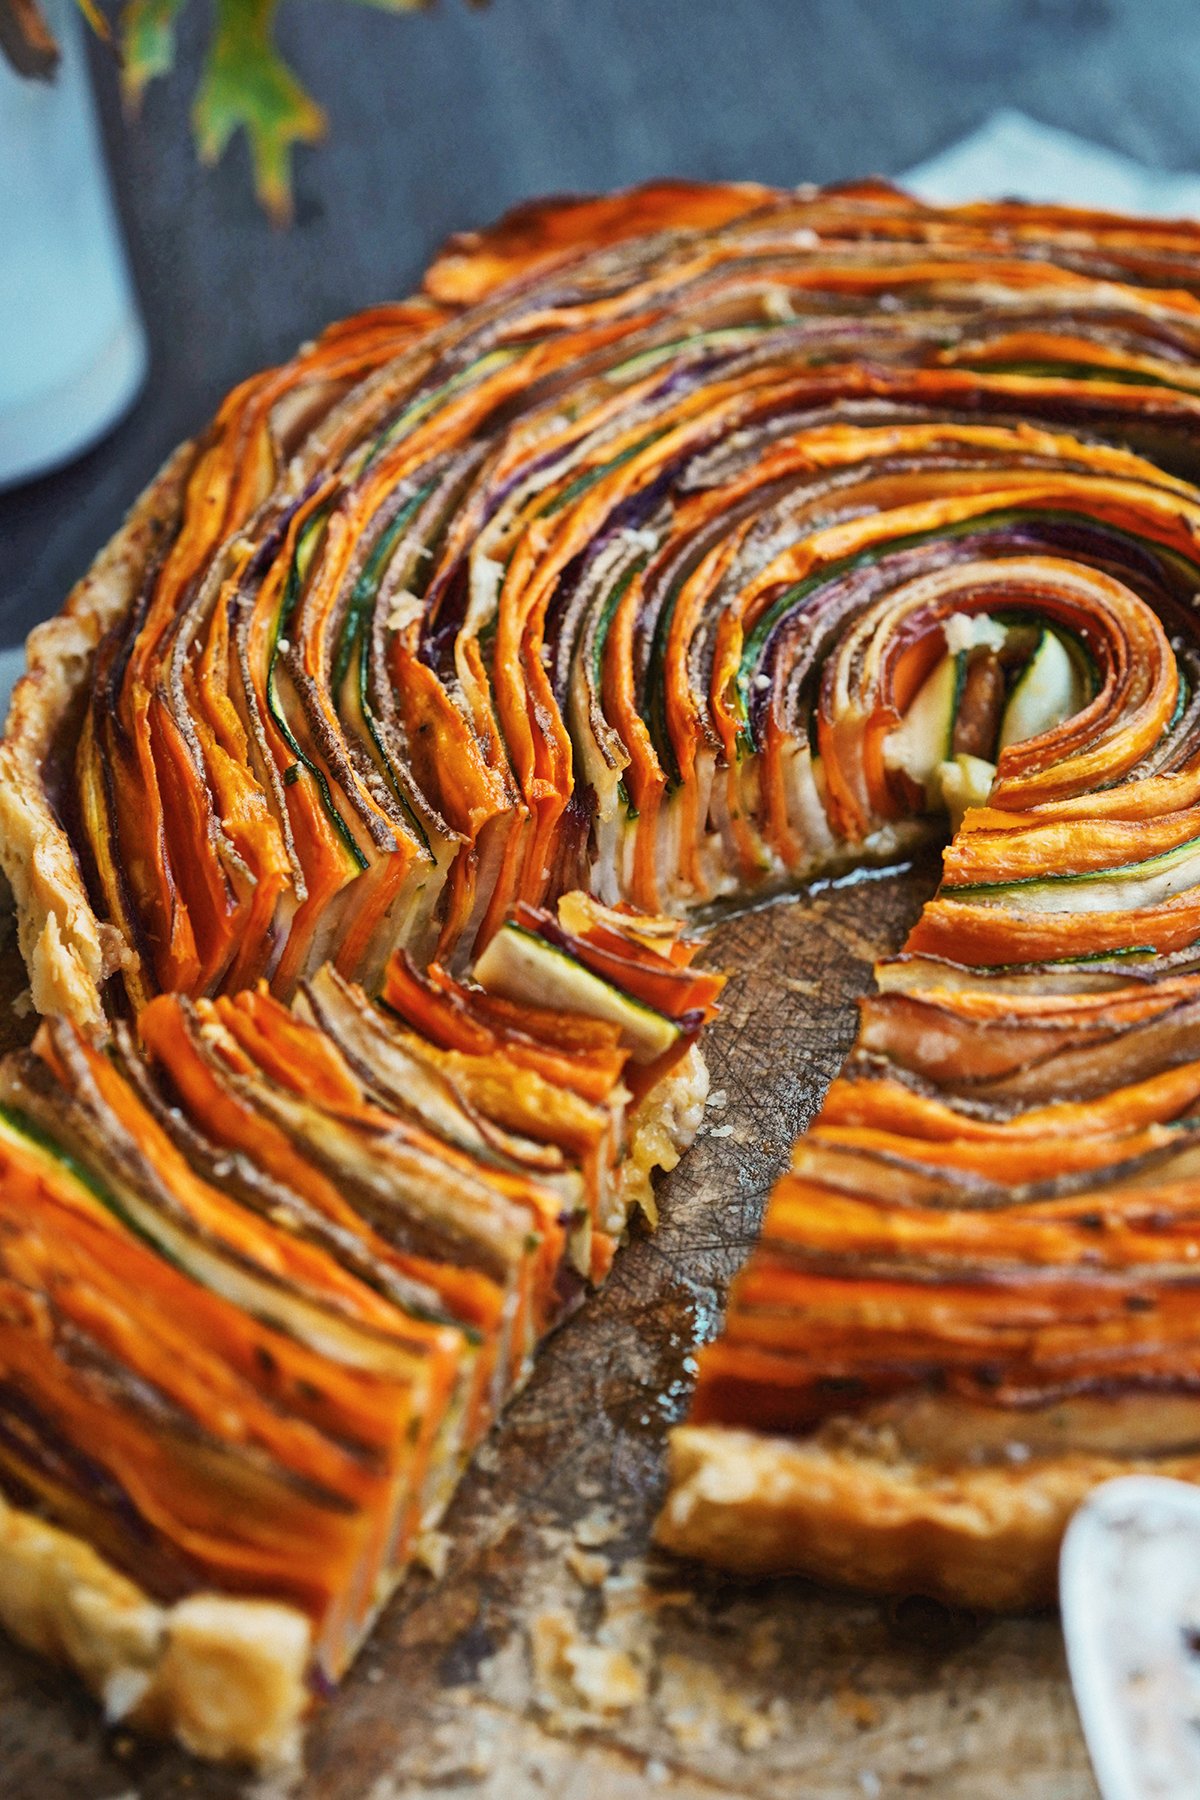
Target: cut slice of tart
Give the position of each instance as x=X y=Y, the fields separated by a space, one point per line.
x=974 y=1298
x=270 y=1275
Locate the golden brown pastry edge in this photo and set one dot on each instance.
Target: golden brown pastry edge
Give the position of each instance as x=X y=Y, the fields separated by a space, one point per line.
x=984 y=1536
x=69 y=952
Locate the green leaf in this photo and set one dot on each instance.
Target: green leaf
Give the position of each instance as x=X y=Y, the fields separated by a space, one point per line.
x=246 y=84
x=147 y=31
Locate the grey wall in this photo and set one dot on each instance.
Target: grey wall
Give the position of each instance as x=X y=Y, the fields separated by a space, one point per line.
x=443 y=119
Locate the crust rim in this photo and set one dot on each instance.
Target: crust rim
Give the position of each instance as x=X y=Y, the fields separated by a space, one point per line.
x=69 y=952
x=985 y=1537
x=225 y=1677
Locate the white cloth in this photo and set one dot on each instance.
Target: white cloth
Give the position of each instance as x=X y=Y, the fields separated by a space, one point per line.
x=1010 y=156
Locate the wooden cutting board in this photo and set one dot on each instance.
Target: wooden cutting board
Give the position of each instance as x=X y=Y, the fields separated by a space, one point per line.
x=560 y=1655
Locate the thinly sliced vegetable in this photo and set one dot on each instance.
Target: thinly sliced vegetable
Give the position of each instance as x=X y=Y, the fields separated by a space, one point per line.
x=1048 y=691
x=520 y=966
x=925 y=738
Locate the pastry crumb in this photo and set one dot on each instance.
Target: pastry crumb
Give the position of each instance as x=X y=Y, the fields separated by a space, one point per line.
x=598 y=1527
x=431 y=1551
x=698 y=1707
x=607 y=1680
x=589 y=1569
x=858 y=1708
x=576 y=1680
x=763 y=1649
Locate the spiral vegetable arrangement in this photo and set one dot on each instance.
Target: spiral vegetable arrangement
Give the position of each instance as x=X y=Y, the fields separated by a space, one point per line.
x=361 y=806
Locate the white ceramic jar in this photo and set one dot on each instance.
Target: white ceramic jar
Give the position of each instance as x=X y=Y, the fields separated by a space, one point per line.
x=72 y=346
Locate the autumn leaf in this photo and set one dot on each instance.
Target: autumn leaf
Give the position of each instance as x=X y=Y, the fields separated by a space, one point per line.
x=147 y=34
x=26 y=40
x=96 y=19
x=247 y=85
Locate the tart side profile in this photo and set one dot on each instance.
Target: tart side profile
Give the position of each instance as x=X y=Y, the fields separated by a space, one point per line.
x=69 y=952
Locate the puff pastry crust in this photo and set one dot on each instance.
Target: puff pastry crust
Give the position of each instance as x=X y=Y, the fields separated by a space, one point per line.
x=69 y=952
x=226 y=1677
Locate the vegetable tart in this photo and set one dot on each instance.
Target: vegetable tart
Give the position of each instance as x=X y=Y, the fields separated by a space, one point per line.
x=363 y=811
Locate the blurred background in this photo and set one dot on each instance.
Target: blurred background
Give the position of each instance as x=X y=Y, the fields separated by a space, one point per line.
x=440 y=120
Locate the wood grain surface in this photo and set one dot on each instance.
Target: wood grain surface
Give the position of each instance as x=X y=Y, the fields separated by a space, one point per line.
x=498 y=1680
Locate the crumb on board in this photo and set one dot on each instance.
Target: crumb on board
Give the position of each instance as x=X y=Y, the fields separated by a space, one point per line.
x=607 y=1680
x=858 y=1708
x=462 y=1760
x=763 y=1648
x=572 y=1675
x=431 y=1551
x=698 y=1707
x=598 y=1527
x=588 y=1568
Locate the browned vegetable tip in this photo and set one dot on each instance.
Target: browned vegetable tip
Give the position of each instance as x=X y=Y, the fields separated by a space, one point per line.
x=978 y=723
